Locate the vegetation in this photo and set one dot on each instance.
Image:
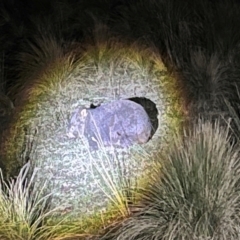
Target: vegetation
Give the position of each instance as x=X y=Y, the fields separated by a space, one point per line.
x=193 y=188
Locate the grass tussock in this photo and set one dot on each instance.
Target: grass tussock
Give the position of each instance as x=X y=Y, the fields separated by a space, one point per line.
x=24 y=212
x=195 y=195
x=19 y=208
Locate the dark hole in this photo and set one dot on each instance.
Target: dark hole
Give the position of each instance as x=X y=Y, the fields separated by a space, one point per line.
x=150 y=108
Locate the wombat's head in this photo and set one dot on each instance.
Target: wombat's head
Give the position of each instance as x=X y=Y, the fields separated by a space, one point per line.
x=77 y=123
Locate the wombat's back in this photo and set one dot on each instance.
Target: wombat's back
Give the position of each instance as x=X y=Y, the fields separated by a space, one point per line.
x=119 y=123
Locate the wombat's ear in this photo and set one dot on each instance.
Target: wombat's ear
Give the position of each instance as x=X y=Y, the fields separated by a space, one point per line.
x=83 y=113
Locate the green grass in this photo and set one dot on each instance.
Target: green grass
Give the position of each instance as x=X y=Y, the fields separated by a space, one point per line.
x=196 y=193
x=26 y=212
x=193 y=194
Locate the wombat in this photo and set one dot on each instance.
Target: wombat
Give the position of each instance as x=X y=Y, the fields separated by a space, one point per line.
x=119 y=123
